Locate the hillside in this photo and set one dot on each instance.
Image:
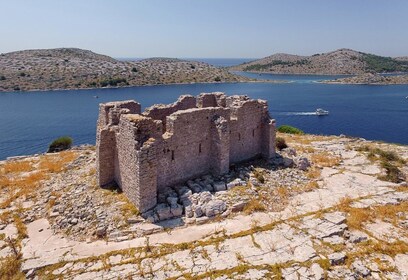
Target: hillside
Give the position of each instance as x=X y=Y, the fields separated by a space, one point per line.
x=342 y=61
x=70 y=68
x=371 y=79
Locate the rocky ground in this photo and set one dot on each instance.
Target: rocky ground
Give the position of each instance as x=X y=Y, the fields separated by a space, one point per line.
x=371 y=79
x=70 y=68
x=326 y=208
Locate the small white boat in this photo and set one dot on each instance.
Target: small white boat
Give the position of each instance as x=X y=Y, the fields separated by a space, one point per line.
x=321 y=112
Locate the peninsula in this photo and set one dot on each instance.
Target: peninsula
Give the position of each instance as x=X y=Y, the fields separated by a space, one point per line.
x=72 y=68
x=338 y=62
x=370 y=79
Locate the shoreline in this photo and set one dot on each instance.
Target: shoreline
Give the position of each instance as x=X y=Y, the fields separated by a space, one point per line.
x=146 y=85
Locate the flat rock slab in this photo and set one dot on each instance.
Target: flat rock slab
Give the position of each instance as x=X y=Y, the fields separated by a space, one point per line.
x=386 y=231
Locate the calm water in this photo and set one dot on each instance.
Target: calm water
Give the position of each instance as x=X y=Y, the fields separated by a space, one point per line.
x=30 y=121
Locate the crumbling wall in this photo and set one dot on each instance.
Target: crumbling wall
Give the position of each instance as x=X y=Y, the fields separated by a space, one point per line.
x=106 y=148
x=246 y=128
x=160 y=111
x=215 y=99
x=187 y=150
x=136 y=169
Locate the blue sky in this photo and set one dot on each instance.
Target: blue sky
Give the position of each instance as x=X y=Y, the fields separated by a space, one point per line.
x=210 y=28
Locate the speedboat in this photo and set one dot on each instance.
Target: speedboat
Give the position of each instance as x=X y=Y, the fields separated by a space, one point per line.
x=321 y=112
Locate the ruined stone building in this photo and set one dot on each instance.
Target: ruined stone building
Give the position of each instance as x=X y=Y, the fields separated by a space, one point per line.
x=169 y=144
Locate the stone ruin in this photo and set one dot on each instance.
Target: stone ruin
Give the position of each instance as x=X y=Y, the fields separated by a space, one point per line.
x=166 y=145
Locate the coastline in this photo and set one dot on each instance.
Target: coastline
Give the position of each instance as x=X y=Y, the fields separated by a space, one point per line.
x=146 y=85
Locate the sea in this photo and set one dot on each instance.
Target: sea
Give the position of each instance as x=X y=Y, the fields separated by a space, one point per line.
x=29 y=121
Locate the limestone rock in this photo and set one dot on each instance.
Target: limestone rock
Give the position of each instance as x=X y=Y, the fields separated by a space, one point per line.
x=163 y=211
x=219 y=186
x=239 y=206
x=337 y=258
x=360 y=268
x=302 y=163
x=215 y=207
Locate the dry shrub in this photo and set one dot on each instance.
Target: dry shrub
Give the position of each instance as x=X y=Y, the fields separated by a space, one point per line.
x=313 y=185
x=10 y=268
x=258 y=174
x=325 y=159
x=313 y=173
x=282 y=193
x=254 y=205
x=21 y=227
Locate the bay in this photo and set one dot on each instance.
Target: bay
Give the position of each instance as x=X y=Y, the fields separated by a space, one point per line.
x=29 y=121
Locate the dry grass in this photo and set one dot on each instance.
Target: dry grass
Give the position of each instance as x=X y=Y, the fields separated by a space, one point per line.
x=313 y=173
x=128 y=208
x=254 y=205
x=16 y=167
x=282 y=193
x=325 y=159
x=17 y=183
x=10 y=268
x=357 y=217
x=21 y=228
x=57 y=162
x=311 y=186
x=259 y=175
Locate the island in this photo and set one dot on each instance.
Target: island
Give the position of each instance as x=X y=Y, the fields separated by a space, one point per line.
x=72 y=68
x=370 y=79
x=338 y=62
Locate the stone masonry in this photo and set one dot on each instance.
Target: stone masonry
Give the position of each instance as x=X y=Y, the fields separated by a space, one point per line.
x=170 y=144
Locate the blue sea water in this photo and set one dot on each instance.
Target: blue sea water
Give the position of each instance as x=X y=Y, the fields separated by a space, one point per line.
x=29 y=121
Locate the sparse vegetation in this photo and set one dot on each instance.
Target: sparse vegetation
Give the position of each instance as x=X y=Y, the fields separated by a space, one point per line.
x=254 y=205
x=290 y=129
x=60 y=144
x=380 y=64
x=280 y=143
x=325 y=159
x=113 y=82
x=389 y=161
x=76 y=68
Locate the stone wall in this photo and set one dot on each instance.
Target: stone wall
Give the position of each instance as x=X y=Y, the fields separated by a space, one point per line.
x=169 y=144
x=186 y=149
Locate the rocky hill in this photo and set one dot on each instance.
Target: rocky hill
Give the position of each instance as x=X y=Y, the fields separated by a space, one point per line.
x=371 y=79
x=342 y=61
x=342 y=216
x=70 y=68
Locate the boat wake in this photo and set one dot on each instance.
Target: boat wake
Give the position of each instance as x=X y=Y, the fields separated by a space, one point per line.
x=297 y=114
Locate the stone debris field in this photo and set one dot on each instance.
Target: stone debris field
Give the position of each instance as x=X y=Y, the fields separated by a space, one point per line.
x=326 y=207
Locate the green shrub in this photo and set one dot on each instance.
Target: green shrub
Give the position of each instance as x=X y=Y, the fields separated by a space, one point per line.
x=290 y=129
x=60 y=144
x=280 y=143
x=134 y=69
x=217 y=79
x=392 y=172
x=113 y=82
x=2 y=78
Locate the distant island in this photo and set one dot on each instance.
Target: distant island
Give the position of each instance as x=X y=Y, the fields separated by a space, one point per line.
x=72 y=68
x=339 y=62
x=370 y=79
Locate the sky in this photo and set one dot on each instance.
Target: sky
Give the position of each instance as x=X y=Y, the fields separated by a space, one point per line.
x=205 y=28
